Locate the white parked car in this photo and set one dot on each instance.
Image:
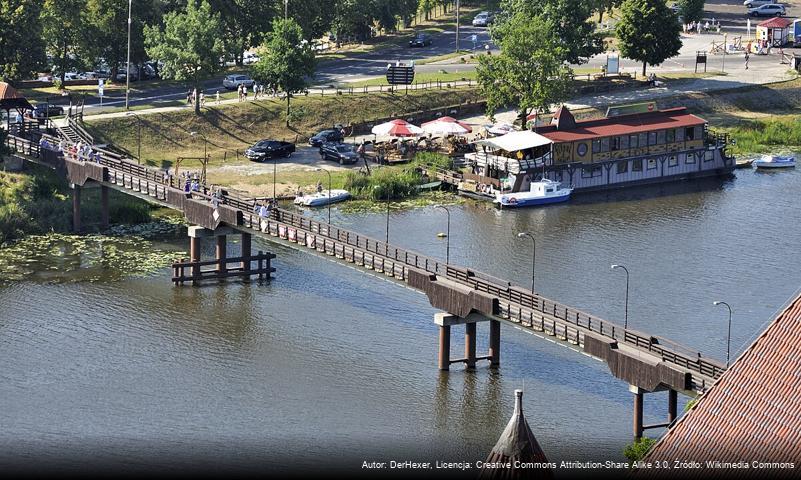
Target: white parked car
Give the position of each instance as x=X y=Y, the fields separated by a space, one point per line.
x=769 y=10
x=249 y=58
x=757 y=3
x=232 y=82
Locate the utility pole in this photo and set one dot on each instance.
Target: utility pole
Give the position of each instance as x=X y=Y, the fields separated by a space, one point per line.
x=128 y=65
x=457 y=26
x=286 y=9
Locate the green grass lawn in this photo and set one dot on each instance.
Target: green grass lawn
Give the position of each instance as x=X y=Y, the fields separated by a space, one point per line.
x=442 y=76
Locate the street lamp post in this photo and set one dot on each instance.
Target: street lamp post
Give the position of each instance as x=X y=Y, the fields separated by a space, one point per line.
x=728 y=335
x=447 y=236
x=274 y=175
x=533 y=254
x=457 y=26
x=128 y=64
x=626 y=308
x=329 y=192
x=138 y=135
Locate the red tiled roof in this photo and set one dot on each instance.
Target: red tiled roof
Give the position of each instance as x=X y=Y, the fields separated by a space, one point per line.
x=623 y=124
x=753 y=412
x=776 y=22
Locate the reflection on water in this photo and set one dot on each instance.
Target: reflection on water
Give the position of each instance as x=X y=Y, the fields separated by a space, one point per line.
x=325 y=362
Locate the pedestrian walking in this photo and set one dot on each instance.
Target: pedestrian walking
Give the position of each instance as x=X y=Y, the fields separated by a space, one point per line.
x=194 y=96
x=239 y=91
x=245 y=92
x=217 y=97
x=202 y=100
x=746 y=59
x=189 y=97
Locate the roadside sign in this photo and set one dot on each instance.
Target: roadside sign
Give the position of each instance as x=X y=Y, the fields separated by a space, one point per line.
x=400 y=74
x=474 y=39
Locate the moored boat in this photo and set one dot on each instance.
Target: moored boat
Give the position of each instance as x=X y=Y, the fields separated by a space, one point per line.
x=775 y=161
x=543 y=192
x=322 y=198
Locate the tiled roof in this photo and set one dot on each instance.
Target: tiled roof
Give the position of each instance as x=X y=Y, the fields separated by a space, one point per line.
x=623 y=124
x=753 y=412
x=776 y=22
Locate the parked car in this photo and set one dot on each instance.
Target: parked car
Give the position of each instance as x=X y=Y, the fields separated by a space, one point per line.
x=339 y=152
x=330 y=135
x=266 y=149
x=483 y=19
x=421 y=40
x=232 y=82
x=757 y=3
x=769 y=10
x=121 y=74
x=45 y=110
x=249 y=58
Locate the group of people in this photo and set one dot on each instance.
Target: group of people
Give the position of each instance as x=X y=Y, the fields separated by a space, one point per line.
x=258 y=91
x=193 y=94
x=78 y=151
x=698 y=27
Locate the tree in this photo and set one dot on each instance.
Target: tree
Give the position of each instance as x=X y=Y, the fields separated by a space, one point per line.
x=606 y=6
x=648 y=32
x=63 y=28
x=691 y=10
x=530 y=71
x=570 y=18
x=189 y=45
x=244 y=23
x=285 y=60
x=22 y=51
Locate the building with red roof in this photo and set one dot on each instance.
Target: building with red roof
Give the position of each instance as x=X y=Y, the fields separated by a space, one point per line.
x=775 y=31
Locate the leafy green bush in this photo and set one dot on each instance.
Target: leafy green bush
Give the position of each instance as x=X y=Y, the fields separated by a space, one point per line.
x=433 y=159
x=637 y=450
x=383 y=184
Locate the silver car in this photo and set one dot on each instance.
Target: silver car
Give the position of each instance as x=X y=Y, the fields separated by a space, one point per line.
x=769 y=10
x=757 y=3
x=232 y=82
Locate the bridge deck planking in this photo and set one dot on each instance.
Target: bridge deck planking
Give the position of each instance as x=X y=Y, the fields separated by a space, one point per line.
x=516 y=305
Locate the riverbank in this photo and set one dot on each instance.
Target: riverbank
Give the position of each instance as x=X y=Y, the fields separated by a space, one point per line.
x=36 y=201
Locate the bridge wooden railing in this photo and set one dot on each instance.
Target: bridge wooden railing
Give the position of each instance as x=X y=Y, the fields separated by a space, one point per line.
x=517 y=303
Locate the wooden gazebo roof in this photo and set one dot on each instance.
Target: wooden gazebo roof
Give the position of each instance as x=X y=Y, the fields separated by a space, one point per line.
x=516 y=444
x=11 y=99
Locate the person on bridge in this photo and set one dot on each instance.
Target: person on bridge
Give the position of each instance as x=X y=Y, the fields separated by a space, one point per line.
x=319 y=186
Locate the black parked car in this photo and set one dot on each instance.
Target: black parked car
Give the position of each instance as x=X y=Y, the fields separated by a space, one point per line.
x=421 y=40
x=331 y=135
x=339 y=152
x=269 y=149
x=45 y=110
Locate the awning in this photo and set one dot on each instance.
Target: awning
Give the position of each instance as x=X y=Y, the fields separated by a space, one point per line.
x=514 y=141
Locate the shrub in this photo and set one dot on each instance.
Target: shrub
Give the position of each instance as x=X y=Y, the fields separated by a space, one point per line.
x=637 y=450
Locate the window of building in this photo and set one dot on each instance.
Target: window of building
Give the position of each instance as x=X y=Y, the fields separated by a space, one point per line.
x=624 y=142
x=605 y=144
x=636 y=165
x=688 y=158
x=581 y=149
x=651 y=164
x=709 y=155
x=699 y=132
x=679 y=134
x=670 y=135
x=651 y=138
x=614 y=144
x=591 y=171
x=673 y=161
x=643 y=140
x=633 y=141
x=622 y=166
x=660 y=137
x=596 y=146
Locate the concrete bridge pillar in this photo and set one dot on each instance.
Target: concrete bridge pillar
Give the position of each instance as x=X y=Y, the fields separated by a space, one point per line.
x=220 y=253
x=446 y=320
x=638 y=410
x=104 y=216
x=672 y=403
x=194 y=256
x=245 y=247
x=76 y=208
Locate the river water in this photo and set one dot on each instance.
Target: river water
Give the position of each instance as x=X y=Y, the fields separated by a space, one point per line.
x=326 y=367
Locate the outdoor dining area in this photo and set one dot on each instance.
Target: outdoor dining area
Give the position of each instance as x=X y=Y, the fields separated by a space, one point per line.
x=397 y=141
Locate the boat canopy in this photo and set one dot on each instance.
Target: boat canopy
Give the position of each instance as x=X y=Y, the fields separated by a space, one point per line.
x=515 y=141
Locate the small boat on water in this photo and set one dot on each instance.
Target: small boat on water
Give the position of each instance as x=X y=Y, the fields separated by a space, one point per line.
x=322 y=198
x=541 y=193
x=774 y=161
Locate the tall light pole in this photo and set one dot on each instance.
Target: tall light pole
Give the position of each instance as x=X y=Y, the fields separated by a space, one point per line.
x=447 y=236
x=329 y=192
x=138 y=135
x=286 y=9
x=274 y=175
x=626 y=308
x=457 y=26
x=533 y=255
x=728 y=335
x=128 y=65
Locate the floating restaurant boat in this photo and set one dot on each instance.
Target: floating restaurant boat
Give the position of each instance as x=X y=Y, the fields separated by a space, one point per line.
x=542 y=192
x=774 y=161
x=322 y=198
x=631 y=145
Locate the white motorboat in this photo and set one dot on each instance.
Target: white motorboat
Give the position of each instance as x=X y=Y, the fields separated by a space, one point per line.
x=774 y=161
x=540 y=193
x=322 y=198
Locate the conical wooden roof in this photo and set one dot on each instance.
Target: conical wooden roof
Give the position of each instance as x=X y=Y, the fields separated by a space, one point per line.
x=516 y=445
x=563 y=119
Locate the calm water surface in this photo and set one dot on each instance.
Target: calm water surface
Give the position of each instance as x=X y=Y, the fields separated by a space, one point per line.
x=329 y=363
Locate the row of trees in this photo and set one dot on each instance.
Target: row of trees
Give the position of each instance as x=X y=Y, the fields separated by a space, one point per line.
x=74 y=34
x=539 y=39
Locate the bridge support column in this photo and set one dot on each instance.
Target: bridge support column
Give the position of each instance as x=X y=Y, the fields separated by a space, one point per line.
x=672 y=403
x=470 y=345
x=104 y=217
x=245 y=247
x=220 y=253
x=495 y=343
x=444 y=347
x=638 y=410
x=76 y=208
x=194 y=256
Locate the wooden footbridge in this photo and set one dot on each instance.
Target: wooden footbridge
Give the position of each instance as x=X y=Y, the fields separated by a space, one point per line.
x=646 y=362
